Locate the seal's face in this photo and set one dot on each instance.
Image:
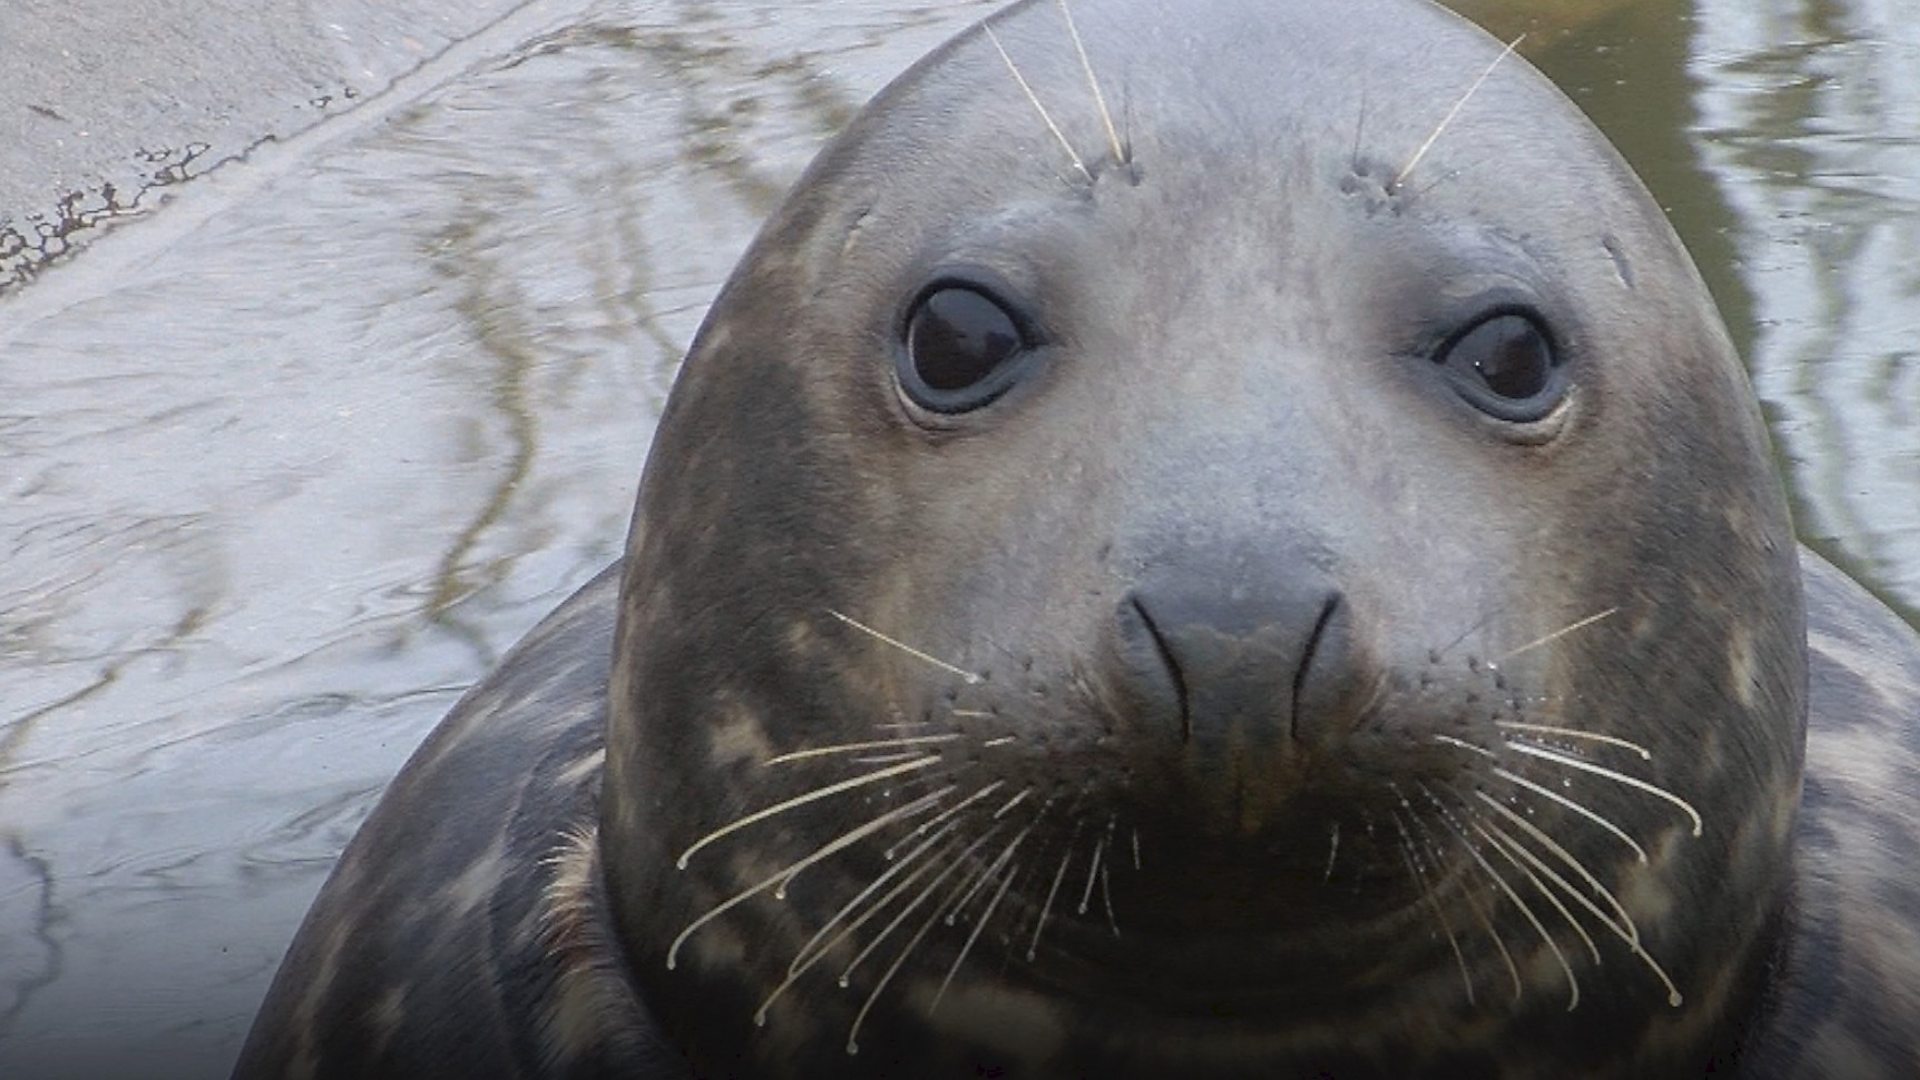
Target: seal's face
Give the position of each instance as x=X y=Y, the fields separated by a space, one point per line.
x=1280 y=583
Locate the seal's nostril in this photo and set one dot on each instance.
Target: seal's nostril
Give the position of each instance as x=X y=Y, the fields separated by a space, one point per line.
x=1240 y=651
x=1172 y=663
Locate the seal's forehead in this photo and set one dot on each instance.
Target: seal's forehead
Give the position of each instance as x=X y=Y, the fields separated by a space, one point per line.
x=1045 y=94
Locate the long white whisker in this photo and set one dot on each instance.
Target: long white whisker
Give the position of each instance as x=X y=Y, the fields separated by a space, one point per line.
x=1079 y=165
x=1033 y=947
x=1446 y=120
x=1406 y=852
x=939 y=819
x=851 y=748
x=1473 y=902
x=1575 y=733
x=1100 y=99
x=974 y=935
x=1620 y=922
x=1609 y=774
x=806 y=954
x=846 y=975
x=1506 y=846
x=802 y=800
x=1462 y=744
x=1093 y=869
x=827 y=850
x=1560 y=633
x=1548 y=793
x=968 y=890
x=970 y=677
x=1628 y=933
x=1573 y=984
x=1011 y=803
x=853 y=1033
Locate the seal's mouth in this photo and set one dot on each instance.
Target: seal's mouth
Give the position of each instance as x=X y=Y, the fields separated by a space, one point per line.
x=1118 y=846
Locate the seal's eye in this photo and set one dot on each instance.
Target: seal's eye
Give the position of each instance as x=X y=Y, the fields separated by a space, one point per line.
x=1505 y=365
x=962 y=348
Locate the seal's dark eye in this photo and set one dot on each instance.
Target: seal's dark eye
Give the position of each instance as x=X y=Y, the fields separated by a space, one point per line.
x=961 y=349
x=1505 y=365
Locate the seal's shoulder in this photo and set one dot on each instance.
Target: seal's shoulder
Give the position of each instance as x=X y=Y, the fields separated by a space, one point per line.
x=1846 y=995
x=462 y=931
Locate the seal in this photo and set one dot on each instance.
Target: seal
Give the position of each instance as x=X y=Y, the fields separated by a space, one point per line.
x=1218 y=537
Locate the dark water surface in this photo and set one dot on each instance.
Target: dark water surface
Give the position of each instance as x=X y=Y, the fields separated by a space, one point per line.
x=285 y=465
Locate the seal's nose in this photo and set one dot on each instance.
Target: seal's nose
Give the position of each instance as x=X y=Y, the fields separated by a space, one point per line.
x=1233 y=660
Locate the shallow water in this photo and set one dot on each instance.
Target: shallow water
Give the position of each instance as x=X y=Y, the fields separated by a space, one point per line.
x=288 y=463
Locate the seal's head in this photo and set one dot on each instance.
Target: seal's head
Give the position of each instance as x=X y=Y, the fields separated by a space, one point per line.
x=1214 y=535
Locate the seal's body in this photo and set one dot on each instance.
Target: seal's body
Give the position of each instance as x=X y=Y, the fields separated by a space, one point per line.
x=1175 y=550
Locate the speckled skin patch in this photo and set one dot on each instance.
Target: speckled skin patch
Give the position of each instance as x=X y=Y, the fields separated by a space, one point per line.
x=462 y=933
x=890 y=774
x=1843 y=997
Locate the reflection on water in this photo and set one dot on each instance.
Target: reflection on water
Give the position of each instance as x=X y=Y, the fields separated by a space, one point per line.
x=1809 y=117
x=284 y=480
x=280 y=487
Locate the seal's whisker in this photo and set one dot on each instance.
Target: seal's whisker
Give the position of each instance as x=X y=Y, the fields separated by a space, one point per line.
x=1333 y=851
x=943 y=816
x=1100 y=99
x=802 y=800
x=1079 y=165
x=857 y=747
x=1548 y=793
x=1011 y=803
x=1548 y=639
x=903 y=725
x=959 y=909
x=1093 y=868
x=970 y=886
x=1632 y=941
x=846 y=974
x=1575 y=733
x=1608 y=774
x=1106 y=896
x=973 y=935
x=1447 y=120
x=779 y=878
x=1620 y=922
x=1624 y=929
x=973 y=714
x=853 y=1033
x=1506 y=846
x=1473 y=902
x=1001 y=741
x=1433 y=903
x=1136 y=849
x=1500 y=945
x=1448 y=740
x=1033 y=947
x=885 y=759
x=971 y=677
x=807 y=955
x=1526 y=911
x=932 y=798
